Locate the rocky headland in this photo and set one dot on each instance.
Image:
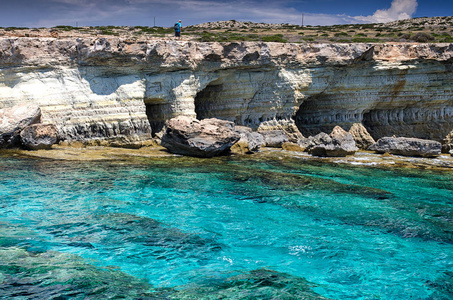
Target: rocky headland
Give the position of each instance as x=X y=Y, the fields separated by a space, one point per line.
x=121 y=92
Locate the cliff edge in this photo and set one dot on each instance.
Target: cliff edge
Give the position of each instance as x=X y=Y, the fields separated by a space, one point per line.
x=114 y=88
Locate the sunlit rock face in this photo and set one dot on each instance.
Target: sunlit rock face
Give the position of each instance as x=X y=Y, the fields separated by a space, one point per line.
x=389 y=98
x=117 y=88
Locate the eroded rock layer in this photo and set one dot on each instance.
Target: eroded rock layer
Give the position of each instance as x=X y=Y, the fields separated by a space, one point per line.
x=110 y=88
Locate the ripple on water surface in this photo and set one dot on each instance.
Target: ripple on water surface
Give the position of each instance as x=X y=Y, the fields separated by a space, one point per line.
x=230 y=227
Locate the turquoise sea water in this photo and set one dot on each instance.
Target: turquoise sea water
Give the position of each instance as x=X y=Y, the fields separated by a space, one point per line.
x=223 y=228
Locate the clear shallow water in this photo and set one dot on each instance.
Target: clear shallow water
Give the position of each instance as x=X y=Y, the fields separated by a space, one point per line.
x=238 y=228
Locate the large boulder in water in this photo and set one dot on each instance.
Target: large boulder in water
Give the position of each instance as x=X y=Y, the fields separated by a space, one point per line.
x=13 y=120
x=407 y=146
x=39 y=136
x=205 y=138
x=339 y=143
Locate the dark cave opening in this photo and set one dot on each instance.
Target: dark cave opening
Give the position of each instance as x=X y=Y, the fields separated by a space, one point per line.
x=206 y=101
x=157 y=114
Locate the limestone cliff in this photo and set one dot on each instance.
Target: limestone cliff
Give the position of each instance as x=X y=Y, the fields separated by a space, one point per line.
x=117 y=88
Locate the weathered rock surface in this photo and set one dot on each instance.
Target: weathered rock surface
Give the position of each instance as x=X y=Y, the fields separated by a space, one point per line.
x=290 y=146
x=362 y=138
x=249 y=141
x=205 y=138
x=447 y=143
x=407 y=146
x=287 y=126
x=14 y=119
x=339 y=143
x=274 y=138
x=39 y=136
x=104 y=88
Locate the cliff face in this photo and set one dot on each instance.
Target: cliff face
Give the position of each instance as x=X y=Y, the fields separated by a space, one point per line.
x=116 y=88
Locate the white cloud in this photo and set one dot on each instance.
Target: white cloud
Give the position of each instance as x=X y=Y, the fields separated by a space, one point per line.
x=399 y=10
x=142 y=12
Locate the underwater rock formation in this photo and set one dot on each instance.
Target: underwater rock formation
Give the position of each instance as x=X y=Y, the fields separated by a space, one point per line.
x=109 y=88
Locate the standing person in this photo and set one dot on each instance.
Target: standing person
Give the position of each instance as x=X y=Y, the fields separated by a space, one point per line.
x=178 y=30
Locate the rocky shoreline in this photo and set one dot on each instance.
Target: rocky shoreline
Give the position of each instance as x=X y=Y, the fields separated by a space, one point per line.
x=79 y=153
x=117 y=92
x=21 y=128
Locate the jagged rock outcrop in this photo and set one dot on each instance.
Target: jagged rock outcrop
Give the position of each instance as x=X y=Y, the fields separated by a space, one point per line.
x=281 y=127
x=338 y=144
x=14 y=119
x=205 y=138
x=39 y=136
x=407 y=146
x=362 y=138
x=447 y=143
x=108 y=88
x=249 y=141
x=274 y=138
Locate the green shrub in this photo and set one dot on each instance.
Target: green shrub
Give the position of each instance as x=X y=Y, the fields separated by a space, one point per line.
x=340 y=34
x=422 y=37
x=447 y=40
x=274 y=38
x=206 y=37
x=64 y=27
x=14 y=28
x=365 y=40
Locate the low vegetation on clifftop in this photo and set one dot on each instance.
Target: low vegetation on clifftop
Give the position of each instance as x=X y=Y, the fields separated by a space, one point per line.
x=418 y=30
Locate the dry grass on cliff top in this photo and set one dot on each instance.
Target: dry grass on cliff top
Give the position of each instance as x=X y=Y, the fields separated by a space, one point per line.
x=418 y=30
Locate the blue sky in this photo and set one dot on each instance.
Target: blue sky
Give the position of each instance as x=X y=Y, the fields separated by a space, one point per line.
x=48 y=13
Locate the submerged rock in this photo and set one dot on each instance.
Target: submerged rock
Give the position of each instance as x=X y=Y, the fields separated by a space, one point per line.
x=39 y=136
x=205 y=138
x=55 y=275
x=14 y=119
x=339 y=143
x=255 y=284
x=407 y=147
x=361 y=136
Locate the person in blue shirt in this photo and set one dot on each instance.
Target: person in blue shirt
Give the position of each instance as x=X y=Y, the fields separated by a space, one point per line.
x=178 y=30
